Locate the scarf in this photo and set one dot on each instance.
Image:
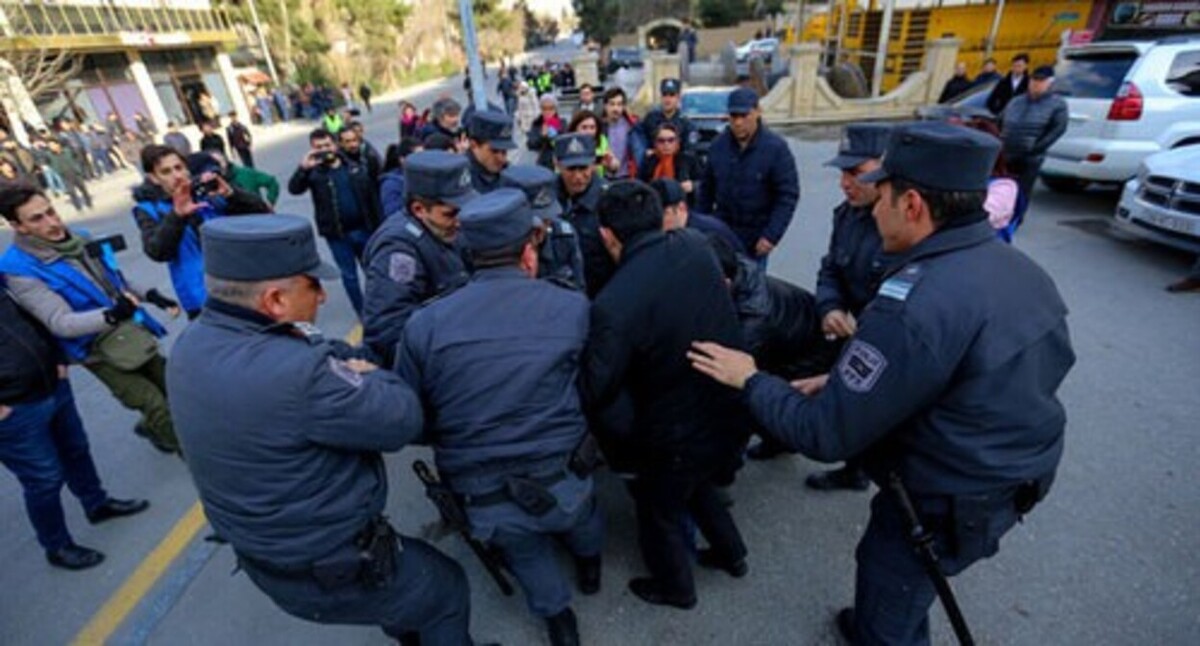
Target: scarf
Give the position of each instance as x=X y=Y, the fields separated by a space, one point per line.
x=664 y=168
x=74 y=248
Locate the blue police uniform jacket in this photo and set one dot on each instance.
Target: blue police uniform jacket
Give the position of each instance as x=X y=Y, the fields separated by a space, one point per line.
x=496 y=364
x=559 y=259
x=79 y=291
x=282 y=439
x=754 y=190
x=406 y=265
x=851 y=269
x=187 y=266
x=951 y=380
x=582 y=212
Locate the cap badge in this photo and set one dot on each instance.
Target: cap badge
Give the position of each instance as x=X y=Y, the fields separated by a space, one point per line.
x=542 y=199
x=464 y=180
x=575 y=147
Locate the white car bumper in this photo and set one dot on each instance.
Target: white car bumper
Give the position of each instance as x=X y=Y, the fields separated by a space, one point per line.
x=1157 y=222
x=1118 y=162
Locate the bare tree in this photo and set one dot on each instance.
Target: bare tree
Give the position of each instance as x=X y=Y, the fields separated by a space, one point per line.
x=42 y=70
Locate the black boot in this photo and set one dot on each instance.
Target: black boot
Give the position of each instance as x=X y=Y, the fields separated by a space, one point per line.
x=563 y=629
x=648 y=590
x=116 y=508
x=847 y=477
x=587 y=574
x=845 y=625
x=74 y=557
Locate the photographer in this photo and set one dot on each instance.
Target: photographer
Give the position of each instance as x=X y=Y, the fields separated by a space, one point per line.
x=170 y=209
x=345 y=205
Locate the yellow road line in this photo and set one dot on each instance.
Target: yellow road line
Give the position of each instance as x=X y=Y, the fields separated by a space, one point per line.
x=113 y=613
x=110 y=617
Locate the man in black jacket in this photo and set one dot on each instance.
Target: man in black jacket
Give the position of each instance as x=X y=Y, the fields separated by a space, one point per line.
x=1013 y=84
x=239 y=139
x=1031 y=124
x=686 y=434
x=42 y=440
x=345 y=206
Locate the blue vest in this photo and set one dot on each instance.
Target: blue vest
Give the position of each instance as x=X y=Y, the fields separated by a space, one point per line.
x=187 y=267
x=74 y=287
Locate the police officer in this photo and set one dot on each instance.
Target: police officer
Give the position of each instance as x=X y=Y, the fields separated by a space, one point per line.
x=290 y=472
x=496 y=364
x=849 y=274
x=669 y=111
x=941 y=337
x=413 y=256
x=490 y=135
x=750 y=181
x=579 y=190
x=558 y=257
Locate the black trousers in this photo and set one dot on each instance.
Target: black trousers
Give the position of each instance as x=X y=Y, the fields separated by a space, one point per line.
x=247 y=157
x=663 y=500
x=1025 y=170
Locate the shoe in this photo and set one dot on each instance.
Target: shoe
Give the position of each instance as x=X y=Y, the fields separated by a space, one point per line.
x=116 y=508
x=1188 y=284
x=843 y=478
x=140 y=430
x=766 y=449
x=845 y=625
x=74 y=557
x=563 y=629
x=647 y=590
x=587 y=574
x=708 y=558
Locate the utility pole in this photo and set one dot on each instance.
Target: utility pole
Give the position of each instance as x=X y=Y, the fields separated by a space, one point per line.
x=991 y=40
x=262 y=42
x=287 y=39
x=885 y=34
x=474 y=66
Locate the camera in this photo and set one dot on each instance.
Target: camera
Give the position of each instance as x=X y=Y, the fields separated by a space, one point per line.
x=328 y=159
x=202 y=190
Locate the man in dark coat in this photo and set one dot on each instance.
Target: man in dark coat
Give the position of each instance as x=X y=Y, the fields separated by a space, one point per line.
x=686 y=435
x=1013 y=84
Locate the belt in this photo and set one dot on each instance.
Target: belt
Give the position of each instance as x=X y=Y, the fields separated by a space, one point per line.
x=500 y=495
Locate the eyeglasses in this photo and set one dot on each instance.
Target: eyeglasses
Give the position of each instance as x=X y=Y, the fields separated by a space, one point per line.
x=666 y=140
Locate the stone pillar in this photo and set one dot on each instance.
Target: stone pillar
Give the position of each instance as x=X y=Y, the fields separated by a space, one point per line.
x=587 y=68
x=804 y=72
x=940 y=57
x=236 y=95
x=141 y=77
x=666 y=66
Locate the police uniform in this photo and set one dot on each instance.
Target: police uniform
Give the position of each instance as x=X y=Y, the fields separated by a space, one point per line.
x=290 y=470
x=559 y=258
x=494 y=128
x=941 y=337
x=496 y=364
x=581 y=211
x=655 y=118
x=407 y=264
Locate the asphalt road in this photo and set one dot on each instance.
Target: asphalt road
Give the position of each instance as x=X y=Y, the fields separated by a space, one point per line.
x=1109 y=558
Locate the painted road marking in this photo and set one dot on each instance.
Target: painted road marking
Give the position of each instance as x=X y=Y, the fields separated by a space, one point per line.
x=116 y=610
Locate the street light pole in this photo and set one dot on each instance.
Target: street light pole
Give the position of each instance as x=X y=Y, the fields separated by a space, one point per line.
x=262 y=42
x=474 y=66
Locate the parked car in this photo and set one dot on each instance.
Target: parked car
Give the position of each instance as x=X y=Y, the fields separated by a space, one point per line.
x=706 y=108
x=1162 y=203
x=1127 y=100
x=971 y=103
x=624 y=57
x=764 y=48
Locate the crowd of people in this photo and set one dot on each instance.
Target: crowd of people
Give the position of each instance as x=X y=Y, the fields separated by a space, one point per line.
x=607 y=303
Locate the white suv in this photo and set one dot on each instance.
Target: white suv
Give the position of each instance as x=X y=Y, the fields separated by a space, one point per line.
x=1127 y=100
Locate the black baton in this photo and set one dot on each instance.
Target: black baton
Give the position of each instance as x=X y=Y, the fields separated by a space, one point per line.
x=922 y=541
x=453 y=515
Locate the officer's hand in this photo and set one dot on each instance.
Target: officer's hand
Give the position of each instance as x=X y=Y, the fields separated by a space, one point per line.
x=839 y=323
x=811 y=385
x=361 y=366
x=763 y=247
x=5 y=411
x=730 y=367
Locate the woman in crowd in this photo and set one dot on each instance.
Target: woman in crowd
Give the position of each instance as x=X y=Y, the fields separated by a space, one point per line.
x=668 y=160
x=588 y=123
x=544 y=131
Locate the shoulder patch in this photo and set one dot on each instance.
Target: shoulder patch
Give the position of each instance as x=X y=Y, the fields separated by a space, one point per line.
x=402 y=268
x=899 y=284
x=861 y=366
x=565 y=228
x=343 y=372
x=414 y=229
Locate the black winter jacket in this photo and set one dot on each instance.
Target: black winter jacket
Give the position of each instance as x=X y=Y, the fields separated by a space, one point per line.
x=29 y=357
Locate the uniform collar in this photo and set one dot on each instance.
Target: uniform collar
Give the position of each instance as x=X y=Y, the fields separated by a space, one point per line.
x=640 y=243
x=498 y=273
x=944 y=240
x=235 y=316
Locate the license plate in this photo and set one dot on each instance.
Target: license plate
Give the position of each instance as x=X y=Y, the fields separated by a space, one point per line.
x=1170 y=222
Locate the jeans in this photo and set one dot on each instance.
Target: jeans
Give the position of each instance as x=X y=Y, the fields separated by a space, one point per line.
x=44 y=445
x=347 y=253
x=54 y=181
x=78 y=192
x=101 y=161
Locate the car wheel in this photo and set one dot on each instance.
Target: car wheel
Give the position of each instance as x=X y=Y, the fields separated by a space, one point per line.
x=1064 y=184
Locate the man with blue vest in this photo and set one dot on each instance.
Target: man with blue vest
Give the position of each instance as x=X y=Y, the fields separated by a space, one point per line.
x=89 y=308
x=171 y=208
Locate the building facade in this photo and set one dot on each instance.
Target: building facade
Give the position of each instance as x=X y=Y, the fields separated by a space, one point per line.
x=167 y=59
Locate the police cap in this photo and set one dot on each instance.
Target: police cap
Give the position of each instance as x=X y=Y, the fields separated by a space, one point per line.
x=575 y=149
x=251 y=248
x=538 y=184
x=741 y=101
x=860 y=142
x=669 y=86
x=438 y=175
x=669 y=191
x=496 y=220
x=492 y=127
x=938 y=155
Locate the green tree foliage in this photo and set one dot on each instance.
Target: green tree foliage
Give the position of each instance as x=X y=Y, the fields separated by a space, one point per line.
x=724 y=13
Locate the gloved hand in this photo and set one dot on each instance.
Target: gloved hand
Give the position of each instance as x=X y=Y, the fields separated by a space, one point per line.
x=122 y=310
x=160 y=300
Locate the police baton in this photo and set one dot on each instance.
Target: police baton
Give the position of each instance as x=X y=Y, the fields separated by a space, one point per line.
x=922 y=541
x=456 y=519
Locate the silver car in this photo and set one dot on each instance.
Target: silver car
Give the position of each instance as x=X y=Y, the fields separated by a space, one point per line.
x=1163 y=202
